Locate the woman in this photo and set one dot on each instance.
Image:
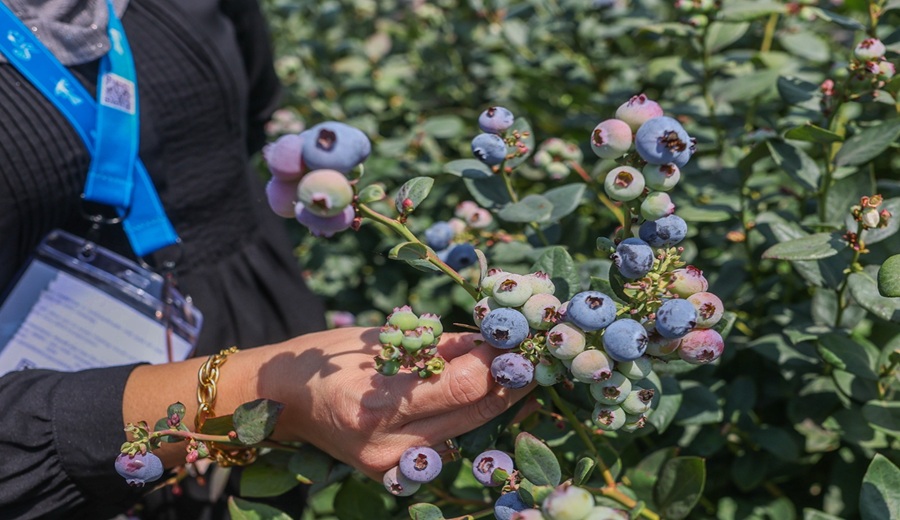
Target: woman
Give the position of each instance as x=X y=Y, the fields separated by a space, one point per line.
x=206 y=87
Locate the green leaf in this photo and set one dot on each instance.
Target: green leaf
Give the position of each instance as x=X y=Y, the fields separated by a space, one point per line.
x=843 y=21
x=879 y=498
x=748 y=470
x=533 y=208
x=720 y=35
x=810 y=247
x=358 y=501
x=741 y=11
x=883 y=416
x=846 y=354
x=523 y=127
x=241 y=509
x=556 y=262
x=812 y=134
x=806 y=44
x=680 y=486
x=415 y=189
x=371 y=193
x=536 y=461
x=889 y=277
x=796 y=91
x=699 y=405
x=488 y=192
x=425 y=511
x=565 y=199
x=645 y=474
x=812 y=514
x=254 y=421
x=310 y=464
x=864 y=290
x=444 y=127
x=669 y=404
x=220 y=425
x=409 y=251
x=264 y=480
x=468 y=168
x=777 y=441
x=796 y=163
x=868 y=144
x=746 y=87
x=583 y=470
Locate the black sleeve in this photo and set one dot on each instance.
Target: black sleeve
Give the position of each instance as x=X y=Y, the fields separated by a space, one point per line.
x=255 y=42
x=59 y=437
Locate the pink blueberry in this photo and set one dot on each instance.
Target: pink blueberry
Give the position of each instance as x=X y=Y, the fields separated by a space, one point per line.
x=637 y=110
x=709 y=309
x=282 y=196
x=701 y=346
x=687 y=281
x=325 y=226
x=283 y=157
x=611 y=138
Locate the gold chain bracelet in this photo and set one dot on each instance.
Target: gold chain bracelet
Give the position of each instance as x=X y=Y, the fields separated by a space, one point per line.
x=208 y=377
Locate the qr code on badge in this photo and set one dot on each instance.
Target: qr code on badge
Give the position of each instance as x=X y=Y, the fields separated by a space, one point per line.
x=118 y=92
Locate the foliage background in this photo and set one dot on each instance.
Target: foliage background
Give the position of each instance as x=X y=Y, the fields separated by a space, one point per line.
x=790 y=418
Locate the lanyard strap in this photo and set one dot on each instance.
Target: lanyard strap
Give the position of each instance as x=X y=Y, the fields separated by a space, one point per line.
x=108 y=126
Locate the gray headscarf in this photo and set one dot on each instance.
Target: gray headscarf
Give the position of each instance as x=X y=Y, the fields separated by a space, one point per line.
x=74 y=30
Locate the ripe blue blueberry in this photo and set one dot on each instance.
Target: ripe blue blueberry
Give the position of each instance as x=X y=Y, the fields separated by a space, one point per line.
x=624 y=183
x=459 y=256
x=504 y=328
x=637 y=110
x=565 y=341
x=634 y=258
x=139 y=469
x=664 y=232
x=485 y=463
x=397 y=484
x=675 y=318
x=512 y=370
x=591 y=310
x=420 y=464
x=663 y=140
x=439 y=235
x=625 y=339
x=489 y=149
x=336 y=146
x=568 y=503
x=496 y=120
x=591 y=366
x=507 y=505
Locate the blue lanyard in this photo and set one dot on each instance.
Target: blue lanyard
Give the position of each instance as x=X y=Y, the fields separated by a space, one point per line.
x=108 y=126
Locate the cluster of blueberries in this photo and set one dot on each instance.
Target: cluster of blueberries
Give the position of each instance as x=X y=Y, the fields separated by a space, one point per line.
x=566 y=502
x=870 y=53
x=490 y=147
x=310 y=175
x=410 y=341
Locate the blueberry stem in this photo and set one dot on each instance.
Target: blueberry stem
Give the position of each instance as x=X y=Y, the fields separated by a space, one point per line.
x=582 y=433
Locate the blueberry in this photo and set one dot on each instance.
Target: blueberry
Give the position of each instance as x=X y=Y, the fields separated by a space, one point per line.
x=675 y=318
x=479 y=219
x=657 y=205
x=420 y=464
x=636 y=369
x=591 y=366
x=701 y=346
x=637 y=110
x=325 y=193
x=611 y=139
x=335 y=146
x=504 y=328
x=687 y=281
x=139 y=469
x=489 y=149
x=390 y=335
x=432 y=321
x=664 y=232
x=403 y=318
x=496 y=120
x=625 y=340
x=399 y=485
x=283 y=157
x=657 y=345
x=612 y=391
x=624 y=183
x=869 y=49
x=565 y=341
x=439 y=235
x=493 y=275
x=282 y=196
x=460 y=256
x=549 y=371
x=634 y=258
x=484 y=306
x=507 y=505
x=608 y=417
x=465 y=208
x=709 y=309
x=541 y=283
x=324 y=226
x=661 y=177
x=528 y=514
x=541 y=311
x=638 y=401
x=634 y=423
x=663 y=140
x=486 y=462
x=591 y=310
x=568 y=503
x=605 y=513
x=512 y=290
x=512 y=370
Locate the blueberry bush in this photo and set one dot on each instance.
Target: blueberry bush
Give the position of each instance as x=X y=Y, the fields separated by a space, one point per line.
x=678 y=218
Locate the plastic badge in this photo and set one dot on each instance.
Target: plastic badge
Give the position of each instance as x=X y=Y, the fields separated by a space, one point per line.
x=77 y=306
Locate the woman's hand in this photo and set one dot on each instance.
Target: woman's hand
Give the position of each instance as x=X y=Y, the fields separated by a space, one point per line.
x=337 y=401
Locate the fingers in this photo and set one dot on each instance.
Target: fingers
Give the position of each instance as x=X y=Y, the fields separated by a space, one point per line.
x=454 y=345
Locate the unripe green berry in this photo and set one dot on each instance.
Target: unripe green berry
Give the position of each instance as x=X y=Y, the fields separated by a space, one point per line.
x=638 y=401
x=612 y=391
x=608 y=417
x=513 y=290
x=404 y=318
x=568 y=503
x=624 y=183
x=390 y=335
x=636 y=369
